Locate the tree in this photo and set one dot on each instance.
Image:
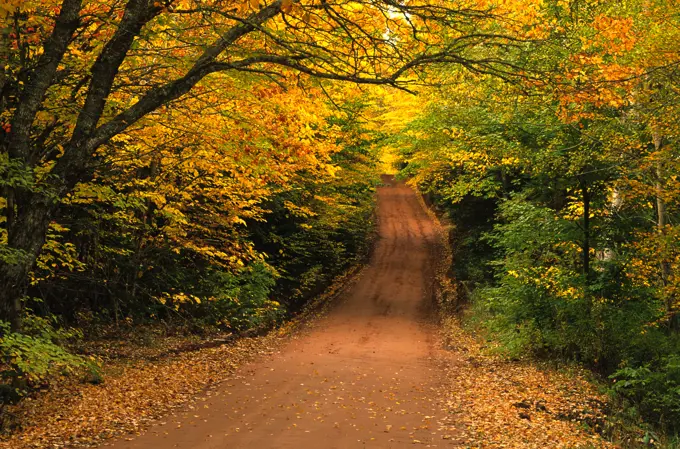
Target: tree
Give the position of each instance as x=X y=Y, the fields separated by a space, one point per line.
x=578 y=176
x=78 y=73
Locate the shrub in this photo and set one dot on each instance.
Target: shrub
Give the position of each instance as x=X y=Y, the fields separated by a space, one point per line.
x=30 y=359
x=655 y=389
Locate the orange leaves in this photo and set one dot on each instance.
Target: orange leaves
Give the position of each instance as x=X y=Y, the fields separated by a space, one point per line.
x=215 y=159
x=134 y=394
x=601 y=74
x=286 y=5
x=614 y=34
x=497 y=403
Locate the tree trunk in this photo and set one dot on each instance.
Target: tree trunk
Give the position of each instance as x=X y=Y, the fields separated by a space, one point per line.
x=662 y=219
x=505 y=180
x=26 y=236
x=4 y=59
x=586 y=231
x=30 y=213
x=608 y=252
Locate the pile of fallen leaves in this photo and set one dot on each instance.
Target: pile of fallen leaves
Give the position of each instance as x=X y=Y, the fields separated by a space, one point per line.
x=498 y=403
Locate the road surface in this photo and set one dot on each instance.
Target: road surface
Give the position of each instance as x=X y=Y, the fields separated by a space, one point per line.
x=365 y=376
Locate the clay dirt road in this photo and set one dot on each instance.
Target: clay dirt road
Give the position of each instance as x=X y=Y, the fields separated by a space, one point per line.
x=365 y=376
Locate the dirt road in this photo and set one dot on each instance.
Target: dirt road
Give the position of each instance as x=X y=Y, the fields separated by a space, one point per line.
x=363 y=377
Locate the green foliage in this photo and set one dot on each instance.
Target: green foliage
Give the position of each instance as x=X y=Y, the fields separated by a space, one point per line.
x=541 y=303
x=564 y=205
x=538 y=298
x=31 y=358
x=239 y=301
x=11 y=256
x=654 y=389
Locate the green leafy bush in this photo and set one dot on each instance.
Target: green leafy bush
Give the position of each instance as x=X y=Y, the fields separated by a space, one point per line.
x=30 y=359
x=540 y=302
x=240 y=301
x=654 y=389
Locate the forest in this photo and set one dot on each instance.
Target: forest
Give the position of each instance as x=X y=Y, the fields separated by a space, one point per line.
x=197 y=168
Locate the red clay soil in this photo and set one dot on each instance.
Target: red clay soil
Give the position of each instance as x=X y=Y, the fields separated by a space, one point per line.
x=365 y=376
